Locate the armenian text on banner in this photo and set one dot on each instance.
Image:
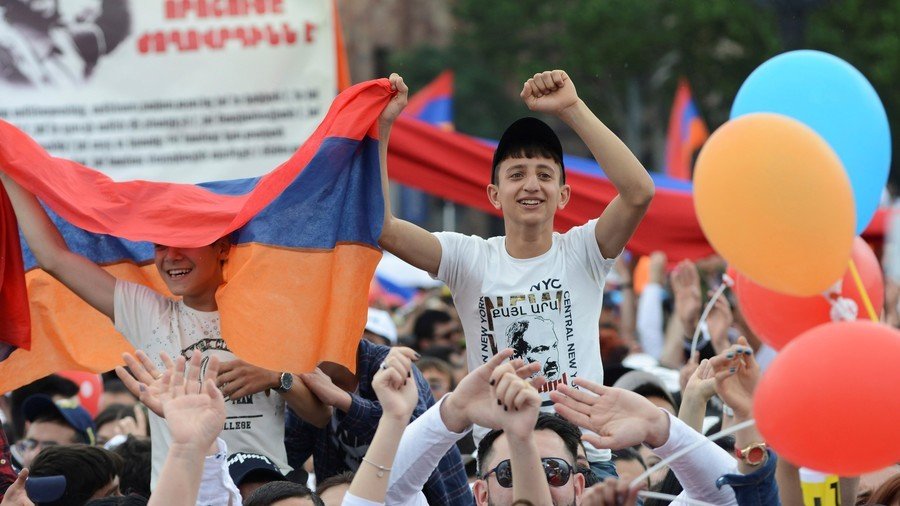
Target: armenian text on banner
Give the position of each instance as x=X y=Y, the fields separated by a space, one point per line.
x=168 y=90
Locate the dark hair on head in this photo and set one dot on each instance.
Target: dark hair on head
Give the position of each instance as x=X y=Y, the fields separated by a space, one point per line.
x=590 y=478
x=886 y=493
x=333 y=481
x=670 y=485
x=115 y=386
x=423 y=329
x=51 y=386
x=442 y=366
x=278 y=490
x=122 y=500
x=135 y=475
x=566 y=430
x=113 y=413
x=529 y=151
x=87 y=469
x=628 y=454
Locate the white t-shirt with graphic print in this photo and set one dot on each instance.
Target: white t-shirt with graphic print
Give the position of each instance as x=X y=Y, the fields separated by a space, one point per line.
x=153 y=323
x=546 y=308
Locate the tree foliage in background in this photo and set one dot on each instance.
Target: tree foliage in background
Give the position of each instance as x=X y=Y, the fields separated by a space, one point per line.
x=626 y=56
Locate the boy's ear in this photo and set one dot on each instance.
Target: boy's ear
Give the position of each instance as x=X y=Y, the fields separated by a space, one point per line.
x=223 y=246
x=565 y=193
x=493 y=195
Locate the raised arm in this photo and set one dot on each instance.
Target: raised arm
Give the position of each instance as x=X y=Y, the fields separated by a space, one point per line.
x=553 y=92
x=411 y=243
x=82 y=276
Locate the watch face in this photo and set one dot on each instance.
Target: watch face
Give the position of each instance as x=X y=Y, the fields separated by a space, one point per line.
x=287 y=380
x=755 y=455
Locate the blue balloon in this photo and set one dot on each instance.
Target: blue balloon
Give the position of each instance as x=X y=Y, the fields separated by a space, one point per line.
x=833 y=98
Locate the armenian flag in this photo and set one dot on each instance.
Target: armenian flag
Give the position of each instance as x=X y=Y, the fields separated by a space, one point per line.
x=687 y=133
x=305 y=246
x=15 y=322
x=434 y=103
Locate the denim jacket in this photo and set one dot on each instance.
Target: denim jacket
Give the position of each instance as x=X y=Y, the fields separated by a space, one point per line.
x=757 y=488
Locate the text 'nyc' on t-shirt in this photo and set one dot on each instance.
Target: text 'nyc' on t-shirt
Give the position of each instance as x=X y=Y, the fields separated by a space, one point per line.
x=546 y=308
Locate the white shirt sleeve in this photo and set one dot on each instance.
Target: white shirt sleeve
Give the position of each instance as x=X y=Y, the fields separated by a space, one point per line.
x=424 y=443
x=352 y=500
x=650 y=321
x=459 y=259
x=698 y=470
x=216 y=486
x=582 y=241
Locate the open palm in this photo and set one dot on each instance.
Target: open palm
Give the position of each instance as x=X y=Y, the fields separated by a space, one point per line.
x=620 y=417
x=195 y=418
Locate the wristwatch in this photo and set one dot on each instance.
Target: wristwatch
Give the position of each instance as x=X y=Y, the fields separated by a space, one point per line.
x=753 y=455
x=287 y=381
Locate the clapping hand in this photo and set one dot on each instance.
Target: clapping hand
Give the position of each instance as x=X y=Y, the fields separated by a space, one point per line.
x=474 y=401
x=520 y=400
x=736 y=374
x=395 y=386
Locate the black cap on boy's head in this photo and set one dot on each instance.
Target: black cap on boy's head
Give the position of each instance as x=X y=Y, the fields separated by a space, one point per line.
x=528 y=138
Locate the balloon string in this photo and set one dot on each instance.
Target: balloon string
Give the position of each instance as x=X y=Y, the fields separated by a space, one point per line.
x=681 y=500
x=862 y=292
x=706 y=311
x=680 y=453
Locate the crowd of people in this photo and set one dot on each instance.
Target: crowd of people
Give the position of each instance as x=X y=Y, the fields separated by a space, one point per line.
x=537 y=375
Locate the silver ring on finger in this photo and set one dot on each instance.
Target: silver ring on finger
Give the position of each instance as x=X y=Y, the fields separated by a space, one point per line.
x=383 y=366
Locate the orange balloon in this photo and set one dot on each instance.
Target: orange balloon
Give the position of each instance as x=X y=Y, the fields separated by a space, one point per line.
x=829 y=402
x=777 y=318
x=773 y=199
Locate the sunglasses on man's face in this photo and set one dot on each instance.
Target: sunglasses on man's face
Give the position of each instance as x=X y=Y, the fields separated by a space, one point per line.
x=557 y=470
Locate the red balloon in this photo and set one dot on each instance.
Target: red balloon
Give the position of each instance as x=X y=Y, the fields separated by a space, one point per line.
x=90 y=387
x=777 y=318
x=829 y=399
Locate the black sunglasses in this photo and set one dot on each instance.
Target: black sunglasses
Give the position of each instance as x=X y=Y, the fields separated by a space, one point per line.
x=557 y=470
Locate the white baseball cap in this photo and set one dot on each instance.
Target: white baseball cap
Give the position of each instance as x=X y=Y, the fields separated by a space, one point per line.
x=380 y=322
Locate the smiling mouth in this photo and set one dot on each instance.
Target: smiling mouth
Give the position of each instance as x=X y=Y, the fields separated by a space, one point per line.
x=530 y=203
x=177 y=273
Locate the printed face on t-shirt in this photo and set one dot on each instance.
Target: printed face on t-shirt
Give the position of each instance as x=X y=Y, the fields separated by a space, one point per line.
x=534 y=339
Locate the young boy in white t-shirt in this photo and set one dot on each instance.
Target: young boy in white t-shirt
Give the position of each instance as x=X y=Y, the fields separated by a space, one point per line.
x=153 y=323
x=533 y=290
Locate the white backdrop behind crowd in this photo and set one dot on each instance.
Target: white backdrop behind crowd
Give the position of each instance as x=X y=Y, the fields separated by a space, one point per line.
x=168 y=90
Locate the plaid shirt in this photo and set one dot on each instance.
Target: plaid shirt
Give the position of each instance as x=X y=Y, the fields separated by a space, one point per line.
x=446 y=486
x=7 y=474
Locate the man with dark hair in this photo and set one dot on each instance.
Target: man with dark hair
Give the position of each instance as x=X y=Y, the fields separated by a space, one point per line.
x=52 y=423
x=435 y=328
x=135 y=475
x=629 y=464
x=557 y=441
x=279 y=493
x=90 y=472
